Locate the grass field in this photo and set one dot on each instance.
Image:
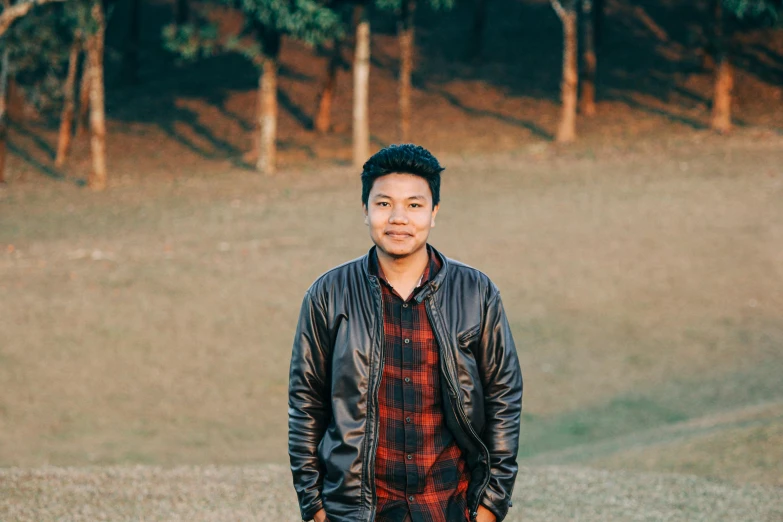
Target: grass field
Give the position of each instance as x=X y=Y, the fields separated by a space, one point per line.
x=227 y=493
x=152 y=324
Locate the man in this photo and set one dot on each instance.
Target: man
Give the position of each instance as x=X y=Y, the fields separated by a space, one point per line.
x=405 y=390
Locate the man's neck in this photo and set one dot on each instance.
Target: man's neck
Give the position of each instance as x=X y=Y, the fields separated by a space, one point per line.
x=403 y=273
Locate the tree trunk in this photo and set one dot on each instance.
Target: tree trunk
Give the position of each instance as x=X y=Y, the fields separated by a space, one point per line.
x=4 y=72
x=361 y=88
x=267 y=101
x=130 y=65
x=598 y=23
x=709 y=53
x=406 y=36
x=566 y=132
x=267 y=117
x=83 y=118
x=11 y=13
x=724 y=76
x=66 y=119
x=323 y=119
x=182 y=12
x=721 y=104
x=479 y=23
x=588 y=59
x=97 y=178
x=15 y=102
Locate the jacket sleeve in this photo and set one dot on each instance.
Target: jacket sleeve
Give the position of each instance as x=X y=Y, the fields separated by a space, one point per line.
x=502 y=384
x=308 y=404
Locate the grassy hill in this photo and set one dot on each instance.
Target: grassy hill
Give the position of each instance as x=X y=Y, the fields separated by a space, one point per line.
x=152 y=324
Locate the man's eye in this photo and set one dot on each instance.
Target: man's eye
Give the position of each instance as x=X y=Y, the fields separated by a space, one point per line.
x=415 y=205
x=382 y=204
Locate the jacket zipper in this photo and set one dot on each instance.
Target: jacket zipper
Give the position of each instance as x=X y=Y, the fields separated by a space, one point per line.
x=461 y=411
x=377 y=387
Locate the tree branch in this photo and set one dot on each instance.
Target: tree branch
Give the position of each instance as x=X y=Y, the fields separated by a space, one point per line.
x=650 y=24
x=559 y=9
x=10 y=14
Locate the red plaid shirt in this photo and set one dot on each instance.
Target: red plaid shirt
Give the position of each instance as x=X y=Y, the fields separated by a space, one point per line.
x=419 y=469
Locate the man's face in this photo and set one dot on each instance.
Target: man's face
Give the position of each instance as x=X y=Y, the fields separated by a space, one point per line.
x=400 y=214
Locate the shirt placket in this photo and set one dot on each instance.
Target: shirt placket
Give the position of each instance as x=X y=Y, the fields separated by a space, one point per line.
x=409 y=401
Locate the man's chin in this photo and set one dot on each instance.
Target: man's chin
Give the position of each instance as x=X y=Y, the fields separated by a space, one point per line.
x=399 y=251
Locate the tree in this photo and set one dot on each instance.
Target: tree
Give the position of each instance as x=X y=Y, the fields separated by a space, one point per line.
x=405 y=35
x=260 y=40
x=4 y=72
x=37 y=41
x=322 y=121
x=83 y=117
x=267 y=101
x=479 y=24
x=589 y=61
x=724 y=74
x=406 y=10
x=32 y=54
x=97 y=177
x=11 y=13
x=130 y=63
x=69 y=102
x=726 y=13
x=566 y=11
x=323 y=113
x=361 y=88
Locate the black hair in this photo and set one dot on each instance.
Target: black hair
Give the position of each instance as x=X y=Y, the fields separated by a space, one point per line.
x=402 y=159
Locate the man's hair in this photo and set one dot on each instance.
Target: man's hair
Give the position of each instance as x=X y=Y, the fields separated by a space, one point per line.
x=402 y=159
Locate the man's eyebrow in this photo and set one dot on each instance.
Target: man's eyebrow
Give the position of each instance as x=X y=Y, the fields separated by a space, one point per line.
x=416 y=196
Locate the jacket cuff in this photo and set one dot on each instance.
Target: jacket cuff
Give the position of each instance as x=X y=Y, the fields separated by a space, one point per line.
x=500 y=511
x=309 y=513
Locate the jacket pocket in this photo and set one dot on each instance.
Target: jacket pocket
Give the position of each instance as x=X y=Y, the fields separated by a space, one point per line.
x=468 y=336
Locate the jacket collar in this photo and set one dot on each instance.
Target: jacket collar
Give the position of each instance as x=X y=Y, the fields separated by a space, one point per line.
x=432 y=286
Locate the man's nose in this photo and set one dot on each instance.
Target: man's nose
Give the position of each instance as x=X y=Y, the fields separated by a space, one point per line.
x=398 y=216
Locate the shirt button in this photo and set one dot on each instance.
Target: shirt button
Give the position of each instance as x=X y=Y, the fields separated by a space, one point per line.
x=405 y=305
x=407 y=379
x=407 y=341
x=408 y=420
x=410 y=499
x=410 y=457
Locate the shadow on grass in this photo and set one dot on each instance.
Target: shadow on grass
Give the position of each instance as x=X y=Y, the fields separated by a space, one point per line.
x=190 y=118
x=40 y=142
x=672 y=117
x=46 y=170
x=532 y=127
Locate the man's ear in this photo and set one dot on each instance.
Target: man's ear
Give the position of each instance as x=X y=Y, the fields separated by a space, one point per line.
x=434 y=213
x=366 y=217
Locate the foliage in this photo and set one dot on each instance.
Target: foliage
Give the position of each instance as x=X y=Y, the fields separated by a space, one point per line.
x=765 y=10
x=396 y=5
x=40 y=42
x=191 y=41
x=305 y=20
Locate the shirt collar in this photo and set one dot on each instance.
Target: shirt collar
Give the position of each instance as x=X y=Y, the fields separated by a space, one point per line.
x=430 y=270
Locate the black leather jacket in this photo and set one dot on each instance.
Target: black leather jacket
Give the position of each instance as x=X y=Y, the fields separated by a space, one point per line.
x=336 y=367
